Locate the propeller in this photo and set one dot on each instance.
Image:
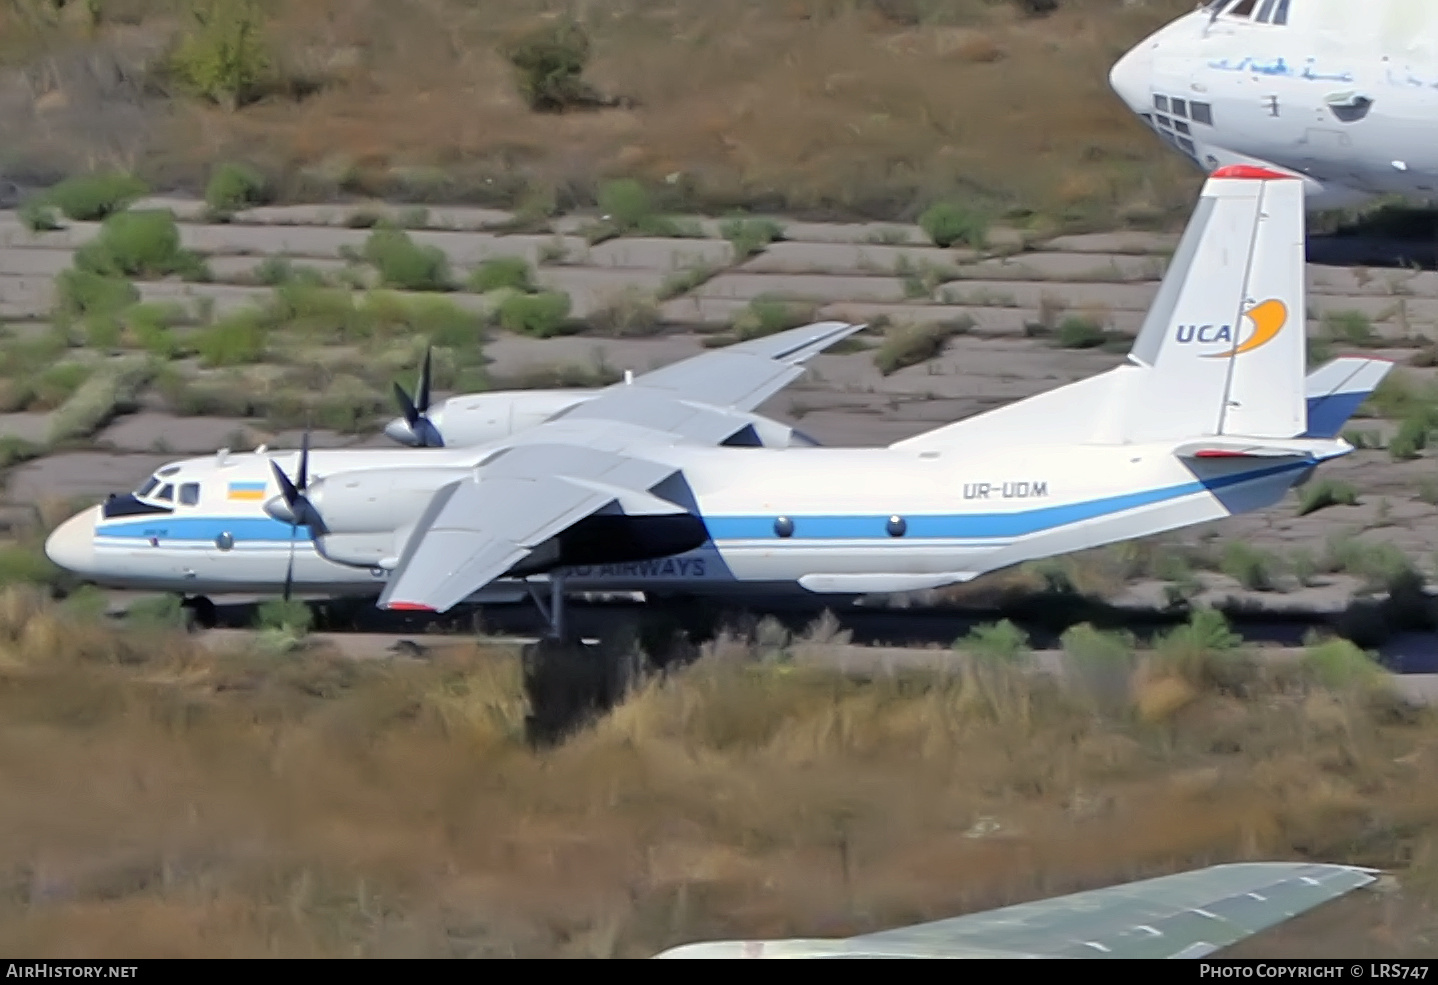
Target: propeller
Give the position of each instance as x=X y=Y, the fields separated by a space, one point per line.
x=301 y=511
x=419 y=431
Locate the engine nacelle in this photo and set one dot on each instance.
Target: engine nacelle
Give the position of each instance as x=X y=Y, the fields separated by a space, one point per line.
x=479 y=418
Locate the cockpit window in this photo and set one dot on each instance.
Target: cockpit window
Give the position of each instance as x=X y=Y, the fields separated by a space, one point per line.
x=167 y=494
x=1243 y=8
x=189 y=494
x=148 y=487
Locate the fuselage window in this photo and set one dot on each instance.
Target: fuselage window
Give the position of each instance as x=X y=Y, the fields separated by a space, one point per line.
x=167 y=494
x=190 y=494
x=1181 y=126
x=1201 y=113
x=1160 y=103
x=1179 y=107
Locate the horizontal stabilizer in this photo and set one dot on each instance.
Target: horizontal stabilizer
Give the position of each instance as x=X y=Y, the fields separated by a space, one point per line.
x=1337 y=389
x=1238 y=448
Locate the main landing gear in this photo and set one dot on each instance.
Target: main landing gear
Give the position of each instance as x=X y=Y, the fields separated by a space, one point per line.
x=199 y=613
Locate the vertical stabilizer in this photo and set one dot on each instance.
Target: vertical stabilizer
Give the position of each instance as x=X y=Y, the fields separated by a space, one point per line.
x=1224 y=341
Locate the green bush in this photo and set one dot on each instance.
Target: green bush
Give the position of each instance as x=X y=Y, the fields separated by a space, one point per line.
x=38 y=215
x=998 y=641
x=1352 y=327
x=1328 y=492
x=405 y=265
x=512 y=272
x=750 y=236
x=1411 y=439
x=151 y=327
x=1250 y=567
x=236 y=340
x=908 y=345
x=21 y=565
x=139 y=244
x=947 y=223
x=235 y=186
x=437 y=319
x=57 y=384
x=626 y=203
x=14 y=450
x=79 y=293
x=1338 y=664
x=540 y=315
x=1078 y=332
x=550 y=64
x=157 y=612
x=110 y=390
x=92 y=197
x=769 y=315
x=223 y=57
x=294 y=616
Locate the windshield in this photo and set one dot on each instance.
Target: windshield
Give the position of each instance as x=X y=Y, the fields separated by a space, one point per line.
x=148 y=487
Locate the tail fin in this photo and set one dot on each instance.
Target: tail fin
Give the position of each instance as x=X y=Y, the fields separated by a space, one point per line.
x=1221 y=351
x=1337 y=389
x=1223 y=344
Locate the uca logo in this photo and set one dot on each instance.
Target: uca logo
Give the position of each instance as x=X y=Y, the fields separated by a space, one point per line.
x=1267 y=318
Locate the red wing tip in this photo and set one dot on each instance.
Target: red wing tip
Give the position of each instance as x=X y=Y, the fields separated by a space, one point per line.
x=408 y=607
x=1249 y=171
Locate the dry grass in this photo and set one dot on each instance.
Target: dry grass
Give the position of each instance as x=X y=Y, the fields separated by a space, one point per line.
x=165 y=801
x=806 y=104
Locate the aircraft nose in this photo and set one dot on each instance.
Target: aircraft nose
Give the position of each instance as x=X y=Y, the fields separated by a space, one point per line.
x=1132 y=77
x=72 y=544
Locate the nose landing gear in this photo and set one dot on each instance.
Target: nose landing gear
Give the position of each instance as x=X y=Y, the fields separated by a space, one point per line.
x=199 y=613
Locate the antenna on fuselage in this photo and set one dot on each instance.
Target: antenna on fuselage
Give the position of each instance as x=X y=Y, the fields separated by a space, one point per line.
x=628 y=376
x=220 y=457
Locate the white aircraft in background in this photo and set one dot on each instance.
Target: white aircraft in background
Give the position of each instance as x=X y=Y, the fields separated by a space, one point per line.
x=1343 y=93
x=1186 y=915
x=633 y=491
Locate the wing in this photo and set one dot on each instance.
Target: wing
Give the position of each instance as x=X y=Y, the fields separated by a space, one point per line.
x=1188 y=915
x=476 y=529
x=743 y=376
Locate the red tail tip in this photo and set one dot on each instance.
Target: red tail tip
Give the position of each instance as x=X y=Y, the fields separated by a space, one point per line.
x=1249 y=171
x=408 y=607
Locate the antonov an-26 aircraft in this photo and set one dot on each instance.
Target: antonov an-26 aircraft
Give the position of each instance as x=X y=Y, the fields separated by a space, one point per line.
x=641 y=489
x=1341 y=92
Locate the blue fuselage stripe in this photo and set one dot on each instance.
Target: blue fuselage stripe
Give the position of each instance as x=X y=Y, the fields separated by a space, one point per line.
x=970 y=526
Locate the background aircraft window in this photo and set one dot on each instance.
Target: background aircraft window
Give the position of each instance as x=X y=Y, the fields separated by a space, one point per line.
x=1281 y=17
x=1179 y=107
x=1160 y=103
x=148 y=487
x=190 y=493
x=1201 y=113
x=167 y=494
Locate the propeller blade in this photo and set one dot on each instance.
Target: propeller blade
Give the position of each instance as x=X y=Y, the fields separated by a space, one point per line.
x=290 y=569
x=287 y=488
x=407 y=409
x=421 y=398
x=302 y=480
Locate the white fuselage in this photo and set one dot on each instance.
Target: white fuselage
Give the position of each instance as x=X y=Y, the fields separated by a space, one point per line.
x=866 y=520
x=1343 y=93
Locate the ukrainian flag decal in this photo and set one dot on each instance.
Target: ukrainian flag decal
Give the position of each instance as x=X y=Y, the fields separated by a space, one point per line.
x=247 y=490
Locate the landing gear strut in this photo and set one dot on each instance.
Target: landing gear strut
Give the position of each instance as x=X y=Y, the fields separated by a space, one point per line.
x=553 y=613
x=199 y=613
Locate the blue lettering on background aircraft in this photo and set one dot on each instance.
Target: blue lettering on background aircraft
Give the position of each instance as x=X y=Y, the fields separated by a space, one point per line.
x=659 y=568
x=1205 y=333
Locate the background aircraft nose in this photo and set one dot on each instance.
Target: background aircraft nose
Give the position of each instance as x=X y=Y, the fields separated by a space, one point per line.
x=72 y=544
x=1132 y=77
